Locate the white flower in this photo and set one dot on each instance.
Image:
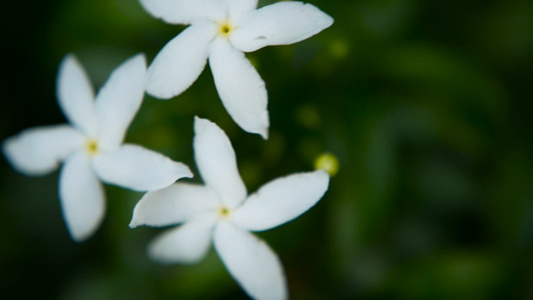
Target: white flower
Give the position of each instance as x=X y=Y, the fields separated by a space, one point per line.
x=222 y=30
x=92 y=147
x=222 y=211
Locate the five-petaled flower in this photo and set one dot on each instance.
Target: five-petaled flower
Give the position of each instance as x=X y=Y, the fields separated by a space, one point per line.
x=221 y=31
x=92 y=145
x=222 y=211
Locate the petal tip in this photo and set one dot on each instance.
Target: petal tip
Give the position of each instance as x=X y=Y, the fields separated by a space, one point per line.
x=138 y=60
x=79 y=236
x=11 y=148
x=260 y=126
x=7 y=146
x=136 y=218
x=155 y=254
x=323 y=177
x=264 y=125
x=187 y=173
x=181 y=171
x=264 y=134
x=323 y=173
x=69 y=58
x=133 y=224
x=329 y=21
x=69 y=61
x=152 y=88
x=201 y=124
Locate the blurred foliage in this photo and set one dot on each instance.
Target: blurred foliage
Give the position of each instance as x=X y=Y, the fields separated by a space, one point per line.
x=427 y=106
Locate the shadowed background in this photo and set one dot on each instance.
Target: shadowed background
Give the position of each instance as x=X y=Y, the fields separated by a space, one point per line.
x=426 y=105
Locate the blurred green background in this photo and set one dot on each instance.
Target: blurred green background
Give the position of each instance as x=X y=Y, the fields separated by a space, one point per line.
x=426 y=104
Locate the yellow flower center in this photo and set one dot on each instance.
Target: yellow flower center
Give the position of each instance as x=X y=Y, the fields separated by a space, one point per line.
x=92 y=146
x=225 y=29
x=224 y=212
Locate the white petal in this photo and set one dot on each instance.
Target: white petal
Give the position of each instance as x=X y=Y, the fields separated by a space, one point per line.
x=39 y=150
x=281 y=200
x=250 y=262
x=186 y=244
x=281 y=23
x=238 y=8
x=183 y=11
x=119 y=100
x=175 y=204
x=216 y=162
x=82 y=197
x=75 y=95
x=180 y=62
x=139 y=169
x=240 y=87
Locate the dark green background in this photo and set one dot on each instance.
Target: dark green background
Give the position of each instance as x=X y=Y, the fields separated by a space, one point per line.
x=426 y=104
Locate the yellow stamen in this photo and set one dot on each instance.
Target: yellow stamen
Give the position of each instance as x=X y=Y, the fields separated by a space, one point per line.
x=224 y=211
x=92 y=146
x=225 y=29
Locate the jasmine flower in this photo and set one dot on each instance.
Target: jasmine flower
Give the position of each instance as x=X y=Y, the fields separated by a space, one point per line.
x=221 y=31
x=222 y=211
x=91 y=145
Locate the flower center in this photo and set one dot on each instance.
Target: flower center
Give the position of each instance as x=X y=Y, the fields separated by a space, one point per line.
x=225 y=29
x=92 y=146
x=224 y=212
